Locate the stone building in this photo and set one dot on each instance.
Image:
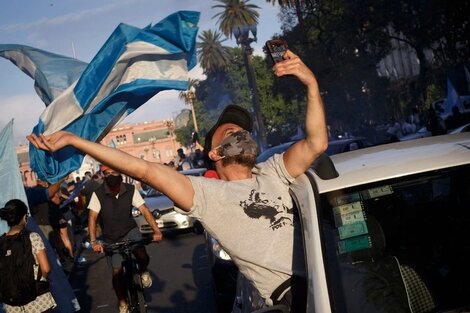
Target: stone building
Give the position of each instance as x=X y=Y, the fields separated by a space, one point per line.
x=153 y=141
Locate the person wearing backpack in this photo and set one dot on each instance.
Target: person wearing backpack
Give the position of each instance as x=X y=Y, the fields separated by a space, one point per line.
x=23 y=264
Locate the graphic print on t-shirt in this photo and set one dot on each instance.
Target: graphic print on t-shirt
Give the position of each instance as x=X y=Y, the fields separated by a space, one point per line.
x=258 y=205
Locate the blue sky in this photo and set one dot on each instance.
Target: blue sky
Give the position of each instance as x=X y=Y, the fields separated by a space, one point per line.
x=64 y=26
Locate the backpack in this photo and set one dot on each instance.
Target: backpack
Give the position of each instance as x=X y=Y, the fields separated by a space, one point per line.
x=17 y=282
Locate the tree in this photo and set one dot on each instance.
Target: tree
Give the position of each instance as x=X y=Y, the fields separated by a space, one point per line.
x=299 y=5
x=240 y=18
x=342 y=49
x=211 y=53
x=282 y=117
x=189 y=96
x=235 y=13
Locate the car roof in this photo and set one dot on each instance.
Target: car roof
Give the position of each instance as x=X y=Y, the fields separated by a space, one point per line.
x=397 y=159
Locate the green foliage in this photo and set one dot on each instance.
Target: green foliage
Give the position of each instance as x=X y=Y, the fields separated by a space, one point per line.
x=183 y=134
x=342 y=42
x=281 y=117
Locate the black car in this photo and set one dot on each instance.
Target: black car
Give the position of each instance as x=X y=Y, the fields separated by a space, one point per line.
x=334 y=147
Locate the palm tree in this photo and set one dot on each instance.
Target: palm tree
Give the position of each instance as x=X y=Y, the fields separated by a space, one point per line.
x=239 y=18
x=212 y=55
x=236 y=13
x=188 y=96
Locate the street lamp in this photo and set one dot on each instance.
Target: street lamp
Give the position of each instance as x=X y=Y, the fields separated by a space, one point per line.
x=242 y=35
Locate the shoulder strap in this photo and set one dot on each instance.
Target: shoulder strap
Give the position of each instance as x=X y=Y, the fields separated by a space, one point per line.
x=279 y=290
x=26 y=234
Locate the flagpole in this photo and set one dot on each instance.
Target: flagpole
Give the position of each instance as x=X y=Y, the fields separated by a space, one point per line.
x=74 y=55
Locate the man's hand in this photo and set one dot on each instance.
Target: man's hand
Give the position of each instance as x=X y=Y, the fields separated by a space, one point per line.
x=157 y=236
x=293 y=65
x=51 y=143
x=97 y=247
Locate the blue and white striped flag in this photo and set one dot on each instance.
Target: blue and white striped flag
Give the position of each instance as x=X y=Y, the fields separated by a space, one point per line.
x=132 y=66
x=52 y=73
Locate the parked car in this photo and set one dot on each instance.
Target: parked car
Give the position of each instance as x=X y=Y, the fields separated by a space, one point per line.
x=163 y=210
x=421 y=133
x=388 y=232
x=334 y=147
x=461 y=129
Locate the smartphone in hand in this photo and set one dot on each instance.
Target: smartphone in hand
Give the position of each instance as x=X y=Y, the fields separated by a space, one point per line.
x=276 y=49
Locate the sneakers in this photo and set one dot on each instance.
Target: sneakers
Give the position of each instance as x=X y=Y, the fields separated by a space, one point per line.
x=146 y=279
x=123 y=308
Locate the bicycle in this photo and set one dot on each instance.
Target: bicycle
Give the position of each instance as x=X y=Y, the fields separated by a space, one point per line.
x=132 y=282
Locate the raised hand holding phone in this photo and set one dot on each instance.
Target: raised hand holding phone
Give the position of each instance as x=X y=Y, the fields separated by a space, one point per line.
x=276 y=49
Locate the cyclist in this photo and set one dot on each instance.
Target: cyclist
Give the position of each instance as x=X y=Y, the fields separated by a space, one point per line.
x=113 y=202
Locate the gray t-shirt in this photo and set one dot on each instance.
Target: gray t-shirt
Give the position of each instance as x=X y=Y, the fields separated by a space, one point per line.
x=253 y=220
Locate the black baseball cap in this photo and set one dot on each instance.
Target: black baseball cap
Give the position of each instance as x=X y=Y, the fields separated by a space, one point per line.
x=231 y=114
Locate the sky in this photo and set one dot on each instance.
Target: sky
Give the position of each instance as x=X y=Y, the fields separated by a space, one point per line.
x=80 y=28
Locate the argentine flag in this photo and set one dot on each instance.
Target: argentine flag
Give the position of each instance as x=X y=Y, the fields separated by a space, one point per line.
x=132 y=66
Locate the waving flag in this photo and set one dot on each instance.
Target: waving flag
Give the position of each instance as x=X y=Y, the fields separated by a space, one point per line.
x=12 y=188
x=452 y=100
x=52 y=73
x=132 y=66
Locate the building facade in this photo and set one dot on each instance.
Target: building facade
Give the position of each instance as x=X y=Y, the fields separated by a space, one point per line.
x=153 y=141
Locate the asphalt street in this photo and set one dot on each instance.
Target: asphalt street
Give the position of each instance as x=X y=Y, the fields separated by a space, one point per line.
x=180 y=272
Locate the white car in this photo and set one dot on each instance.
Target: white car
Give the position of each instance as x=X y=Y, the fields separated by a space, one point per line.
x=461 y=129
x=388 y=233
x=163 y=210
x=421 y=133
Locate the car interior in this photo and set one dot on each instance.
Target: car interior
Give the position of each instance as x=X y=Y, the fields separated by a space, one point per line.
x=400 y=245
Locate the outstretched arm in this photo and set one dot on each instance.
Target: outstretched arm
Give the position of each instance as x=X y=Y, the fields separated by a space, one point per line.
x=175 y=185
x=300 y=156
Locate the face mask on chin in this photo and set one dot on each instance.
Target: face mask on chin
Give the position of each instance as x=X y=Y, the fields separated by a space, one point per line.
x=113 y=181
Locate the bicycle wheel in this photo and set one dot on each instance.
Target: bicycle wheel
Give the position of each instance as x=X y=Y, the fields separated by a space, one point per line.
x=131 y=293
x=139 y=291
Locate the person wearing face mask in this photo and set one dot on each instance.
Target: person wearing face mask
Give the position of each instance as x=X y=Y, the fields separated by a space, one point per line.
x=254 y=198
x=113 y=202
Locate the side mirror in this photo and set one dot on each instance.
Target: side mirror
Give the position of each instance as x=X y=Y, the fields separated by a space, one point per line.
x=324 y=167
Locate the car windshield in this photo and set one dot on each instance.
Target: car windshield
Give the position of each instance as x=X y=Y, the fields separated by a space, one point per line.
x=399 y=244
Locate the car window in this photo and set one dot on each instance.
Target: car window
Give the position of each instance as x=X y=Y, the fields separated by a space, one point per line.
x=399 y=243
